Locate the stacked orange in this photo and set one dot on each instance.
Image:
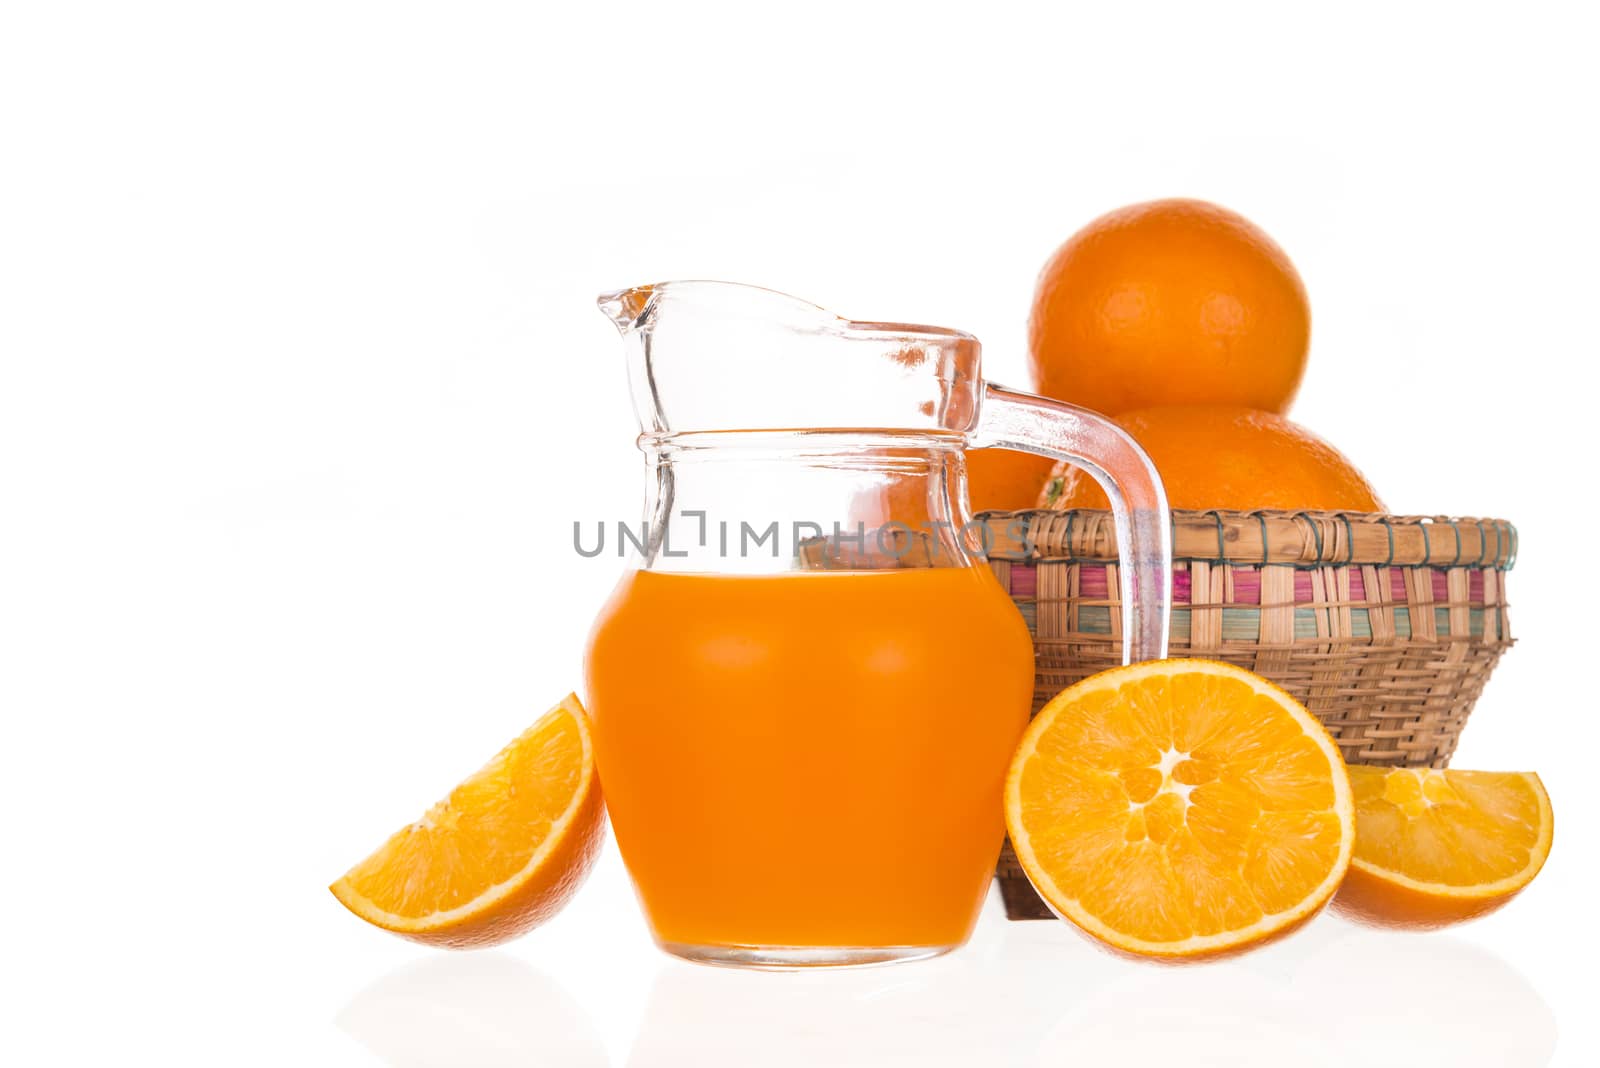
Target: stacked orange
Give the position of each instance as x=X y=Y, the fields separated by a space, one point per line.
x=1187 y=324
x=1220 y=456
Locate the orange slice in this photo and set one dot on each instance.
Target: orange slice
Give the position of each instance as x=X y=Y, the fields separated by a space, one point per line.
x=1180 y=809
x=501 y=854
x=1436 y=847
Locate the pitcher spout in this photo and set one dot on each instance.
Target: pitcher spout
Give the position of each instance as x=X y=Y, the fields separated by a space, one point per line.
x=625 y=307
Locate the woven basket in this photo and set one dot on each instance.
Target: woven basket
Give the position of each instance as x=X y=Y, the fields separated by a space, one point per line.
x=1386 y=627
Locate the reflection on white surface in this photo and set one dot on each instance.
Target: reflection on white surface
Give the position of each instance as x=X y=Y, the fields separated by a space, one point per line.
x=1037 y=994
x=1241 y=1013
x=480 y=1010
x=987 y=1004
x=1425 y=998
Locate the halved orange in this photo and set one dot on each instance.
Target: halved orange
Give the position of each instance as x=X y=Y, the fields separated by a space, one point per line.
x=501 y=854
x=1435 y=847
x=1180 y=809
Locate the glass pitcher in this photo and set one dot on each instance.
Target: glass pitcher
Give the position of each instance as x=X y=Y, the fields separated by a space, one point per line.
x=806 y=694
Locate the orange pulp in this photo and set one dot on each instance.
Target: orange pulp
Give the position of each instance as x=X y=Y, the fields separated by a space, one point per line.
x=809 y=759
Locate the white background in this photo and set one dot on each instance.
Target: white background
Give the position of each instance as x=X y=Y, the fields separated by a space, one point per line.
x=303 y=386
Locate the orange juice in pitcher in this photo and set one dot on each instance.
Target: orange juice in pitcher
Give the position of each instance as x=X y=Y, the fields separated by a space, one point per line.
x=806 y=693
x=810 y=759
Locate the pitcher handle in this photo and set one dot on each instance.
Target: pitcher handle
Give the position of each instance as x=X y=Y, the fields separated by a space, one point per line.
x=1010 y=419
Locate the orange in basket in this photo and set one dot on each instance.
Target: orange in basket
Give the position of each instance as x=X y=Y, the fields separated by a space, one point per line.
x=1169 y=302
x=1232 y=458
x=1002 y=479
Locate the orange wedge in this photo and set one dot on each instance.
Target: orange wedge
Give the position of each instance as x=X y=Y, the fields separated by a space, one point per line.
x=501 y=854
x=1180 y=809
x=1437 y=847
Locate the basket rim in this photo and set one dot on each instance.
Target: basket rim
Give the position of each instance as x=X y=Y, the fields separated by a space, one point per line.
x=1264 y=537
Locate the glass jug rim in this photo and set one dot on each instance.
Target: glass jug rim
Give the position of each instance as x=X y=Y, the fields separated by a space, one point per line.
x=801 y=444
x=635 y=301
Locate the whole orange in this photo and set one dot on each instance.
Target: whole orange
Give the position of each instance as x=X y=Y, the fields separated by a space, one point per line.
x=1005 y=480
x=1170 y=302
x=1233 y=458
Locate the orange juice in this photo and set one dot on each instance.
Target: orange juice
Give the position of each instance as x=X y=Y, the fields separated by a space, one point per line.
x=809 y=759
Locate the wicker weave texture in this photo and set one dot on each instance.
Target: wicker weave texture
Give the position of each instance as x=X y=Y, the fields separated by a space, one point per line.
x=1386 y=627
